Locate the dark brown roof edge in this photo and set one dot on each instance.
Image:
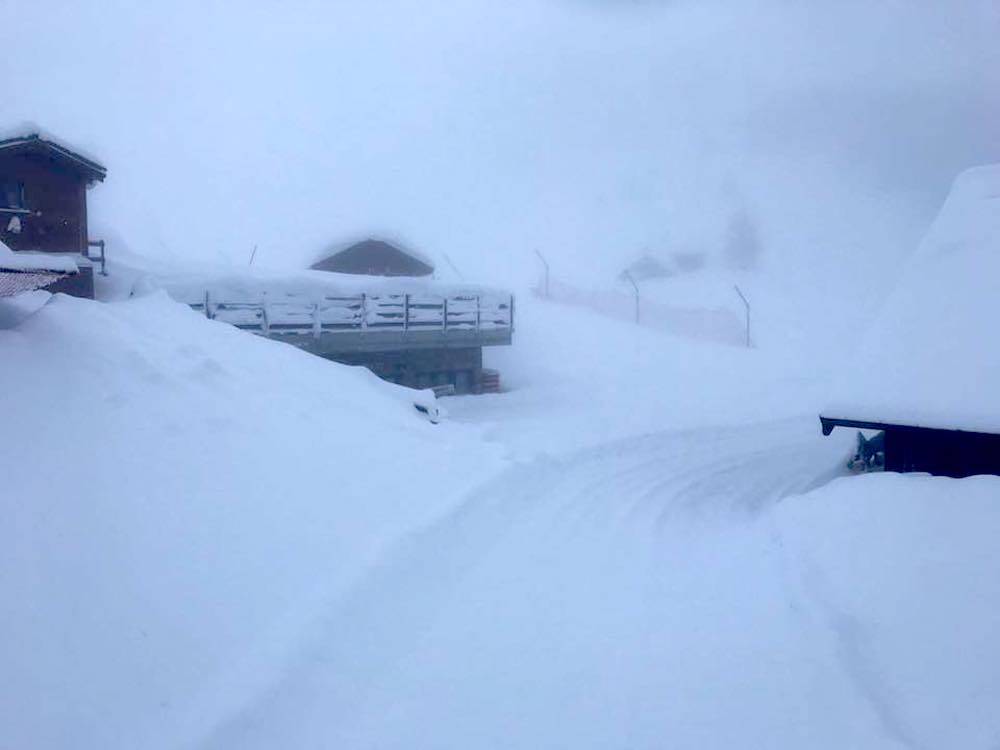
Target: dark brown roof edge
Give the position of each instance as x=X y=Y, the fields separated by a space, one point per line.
x=829 y=423
x=95 y=171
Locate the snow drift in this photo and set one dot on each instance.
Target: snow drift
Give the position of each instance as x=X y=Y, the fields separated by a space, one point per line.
x=179 y=500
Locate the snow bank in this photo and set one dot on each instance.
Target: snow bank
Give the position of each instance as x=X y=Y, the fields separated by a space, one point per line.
x=179 y=500
x=901 y=572
x=932 y=359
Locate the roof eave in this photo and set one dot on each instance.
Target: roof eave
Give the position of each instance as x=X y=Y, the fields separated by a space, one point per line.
x=91 y=170
x=828 y=424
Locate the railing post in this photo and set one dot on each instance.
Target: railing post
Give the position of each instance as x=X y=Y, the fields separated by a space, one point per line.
x=406 y=312
x=207 y=313
x=364 y=310
x=317 y=326
x=444 y=314
x=265 y=319
x=479 y=312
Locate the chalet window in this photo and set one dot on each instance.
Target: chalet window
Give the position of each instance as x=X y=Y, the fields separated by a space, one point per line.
x=11 y=194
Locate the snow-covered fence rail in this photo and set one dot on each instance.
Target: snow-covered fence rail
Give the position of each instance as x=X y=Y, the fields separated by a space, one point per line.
x=299 y=315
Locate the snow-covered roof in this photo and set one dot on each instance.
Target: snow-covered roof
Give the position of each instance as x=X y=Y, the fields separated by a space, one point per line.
x=375 y=242
x=29 y=136
x=932 y=358
x=249 y=284
x=33 y=261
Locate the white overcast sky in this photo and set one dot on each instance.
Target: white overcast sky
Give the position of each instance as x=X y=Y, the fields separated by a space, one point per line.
x=590 y=129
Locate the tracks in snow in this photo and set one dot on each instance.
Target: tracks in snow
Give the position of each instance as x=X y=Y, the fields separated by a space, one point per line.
x=621 y=582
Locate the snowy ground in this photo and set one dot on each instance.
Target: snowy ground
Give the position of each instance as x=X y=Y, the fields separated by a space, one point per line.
x=646 y=595
x=180 y=500
x=645 y=542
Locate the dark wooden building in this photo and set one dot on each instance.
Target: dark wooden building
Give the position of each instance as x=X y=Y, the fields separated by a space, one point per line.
x=43 y=204
x=948 y=453
x=373 y=257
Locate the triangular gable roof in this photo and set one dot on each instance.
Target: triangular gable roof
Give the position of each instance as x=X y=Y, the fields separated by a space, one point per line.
x=35 y=143
x=373 y=246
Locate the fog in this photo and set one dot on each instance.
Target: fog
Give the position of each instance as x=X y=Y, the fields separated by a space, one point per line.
x=484 y=130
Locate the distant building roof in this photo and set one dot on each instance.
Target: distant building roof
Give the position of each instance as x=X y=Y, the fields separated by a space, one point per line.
x=373 y=257
x=932 y=358
x=35 y=143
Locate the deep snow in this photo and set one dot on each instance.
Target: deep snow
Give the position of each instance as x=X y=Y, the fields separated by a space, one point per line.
x=649 y=593
x=180 y=499
x=214 y=540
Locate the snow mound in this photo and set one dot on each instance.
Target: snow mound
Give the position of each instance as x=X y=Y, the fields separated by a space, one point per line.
x=179 y=500
x=897 y=570
x=932 y=359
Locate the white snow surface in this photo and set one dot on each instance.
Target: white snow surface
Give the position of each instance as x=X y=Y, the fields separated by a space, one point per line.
x=35 y=261
x=179 y=500
x=239 y=285
x=652 y=593
x=24 y=130
x=932 y=358
x=222 y=542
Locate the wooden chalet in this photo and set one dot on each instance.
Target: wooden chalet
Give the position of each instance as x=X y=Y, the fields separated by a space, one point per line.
x=43 y=205
x=374 y=257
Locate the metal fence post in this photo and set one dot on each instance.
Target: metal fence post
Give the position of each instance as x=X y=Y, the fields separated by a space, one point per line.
x=636 y=287
x=546 y=264
x=746 y=304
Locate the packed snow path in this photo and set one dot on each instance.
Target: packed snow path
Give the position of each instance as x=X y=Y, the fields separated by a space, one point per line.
x=631 y=595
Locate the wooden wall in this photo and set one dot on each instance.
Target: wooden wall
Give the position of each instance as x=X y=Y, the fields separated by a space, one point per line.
x=57 y=198
x=950 y=453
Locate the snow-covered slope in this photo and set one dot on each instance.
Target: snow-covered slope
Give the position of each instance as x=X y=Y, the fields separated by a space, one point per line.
x=932 y=359
x=179 y=500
